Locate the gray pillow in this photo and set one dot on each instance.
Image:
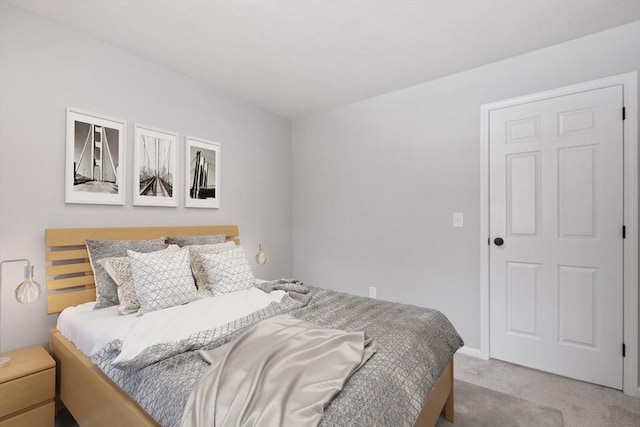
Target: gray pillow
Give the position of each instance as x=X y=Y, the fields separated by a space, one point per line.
x=197 y=240
x=106 y=288
x=162 y=279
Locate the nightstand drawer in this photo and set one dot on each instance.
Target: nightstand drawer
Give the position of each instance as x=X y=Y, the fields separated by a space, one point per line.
x=27 y=391
x=42 y=416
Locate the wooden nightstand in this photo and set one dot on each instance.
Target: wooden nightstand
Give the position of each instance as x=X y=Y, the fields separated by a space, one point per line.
x=27 y=388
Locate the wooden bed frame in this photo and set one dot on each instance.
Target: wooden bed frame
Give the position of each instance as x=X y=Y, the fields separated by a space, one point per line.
x=91 y=397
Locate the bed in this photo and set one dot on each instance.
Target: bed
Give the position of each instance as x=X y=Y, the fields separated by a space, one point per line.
x=88 y=393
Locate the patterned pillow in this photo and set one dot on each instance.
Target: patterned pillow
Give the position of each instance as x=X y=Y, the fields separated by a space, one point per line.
x=197 y=240
x=196 y=251
x=106 y=288
x=119 y=268
x=162 y=279
x=228 y=271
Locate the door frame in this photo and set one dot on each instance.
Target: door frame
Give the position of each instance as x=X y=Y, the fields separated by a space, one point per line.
x=629 y=82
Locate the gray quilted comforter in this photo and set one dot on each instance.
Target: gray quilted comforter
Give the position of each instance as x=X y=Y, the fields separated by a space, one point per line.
x=414 y=345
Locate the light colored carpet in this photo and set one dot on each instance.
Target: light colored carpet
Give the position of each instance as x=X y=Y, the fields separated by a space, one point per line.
x=477 y=406
x=582 y=404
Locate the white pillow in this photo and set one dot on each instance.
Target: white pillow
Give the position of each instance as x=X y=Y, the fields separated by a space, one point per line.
x=196 y=251
x=227 y=271
x=119 y=268
x=162 y=279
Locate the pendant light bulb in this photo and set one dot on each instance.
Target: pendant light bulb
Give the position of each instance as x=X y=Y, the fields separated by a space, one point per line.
x=261 y=256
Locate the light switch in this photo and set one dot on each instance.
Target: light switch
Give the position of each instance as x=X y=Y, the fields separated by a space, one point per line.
x=458 y=220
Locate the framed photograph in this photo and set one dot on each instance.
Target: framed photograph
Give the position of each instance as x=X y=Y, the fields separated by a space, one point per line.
x=95 y=166
x=155 y=167
x=202 y=167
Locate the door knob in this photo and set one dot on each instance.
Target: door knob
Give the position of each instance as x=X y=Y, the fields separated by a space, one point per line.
x=498 y=241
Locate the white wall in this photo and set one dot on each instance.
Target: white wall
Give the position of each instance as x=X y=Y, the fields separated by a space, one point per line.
x=44 y=68
x=375 y=183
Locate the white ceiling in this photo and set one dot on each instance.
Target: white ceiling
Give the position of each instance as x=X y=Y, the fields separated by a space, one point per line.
x=299 y=57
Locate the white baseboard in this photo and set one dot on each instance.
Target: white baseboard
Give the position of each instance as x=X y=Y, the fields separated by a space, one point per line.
x=470 y=351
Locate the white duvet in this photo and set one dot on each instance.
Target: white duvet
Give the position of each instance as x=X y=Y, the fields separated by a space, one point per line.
x=90 y=330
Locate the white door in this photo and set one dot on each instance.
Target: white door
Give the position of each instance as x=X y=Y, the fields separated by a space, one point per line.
x=556 y=192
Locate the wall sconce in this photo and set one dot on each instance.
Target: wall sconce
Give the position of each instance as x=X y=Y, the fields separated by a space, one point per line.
x=26 y=292
x=261 y=256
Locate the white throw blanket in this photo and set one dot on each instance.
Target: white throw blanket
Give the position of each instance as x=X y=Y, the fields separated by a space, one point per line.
x=180 y=322
x=281 y=372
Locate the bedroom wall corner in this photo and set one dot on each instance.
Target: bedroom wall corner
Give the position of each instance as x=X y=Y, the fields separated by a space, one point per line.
x=401 y=163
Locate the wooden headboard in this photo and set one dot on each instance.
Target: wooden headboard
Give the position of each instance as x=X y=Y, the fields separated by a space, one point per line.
x=70 y=278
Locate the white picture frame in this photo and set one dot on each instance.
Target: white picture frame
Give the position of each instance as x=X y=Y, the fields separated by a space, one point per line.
x=202 y=166
x=95 y=158
x=155 y=171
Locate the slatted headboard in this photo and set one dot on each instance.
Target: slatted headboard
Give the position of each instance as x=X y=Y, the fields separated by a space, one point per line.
x=70 y=278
